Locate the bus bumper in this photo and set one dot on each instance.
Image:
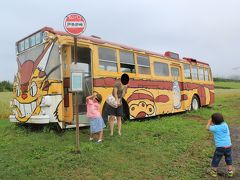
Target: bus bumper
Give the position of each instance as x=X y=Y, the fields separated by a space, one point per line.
x=40 y=119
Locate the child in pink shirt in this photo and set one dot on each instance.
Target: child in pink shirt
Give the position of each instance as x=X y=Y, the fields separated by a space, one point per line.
x=94 y=115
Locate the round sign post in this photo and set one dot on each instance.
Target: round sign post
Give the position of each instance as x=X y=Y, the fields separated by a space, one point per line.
x=75 y=24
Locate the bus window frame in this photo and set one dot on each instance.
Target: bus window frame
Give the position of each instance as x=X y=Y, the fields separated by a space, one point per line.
x=190 y=69
x=206 y=70
x=158 y=75
x=193 y=73
x=210 y=74
x=180 y=76
x=150 y=71
x=104 y=60
x=175 y=67
x=134 y=62
x=199 y=67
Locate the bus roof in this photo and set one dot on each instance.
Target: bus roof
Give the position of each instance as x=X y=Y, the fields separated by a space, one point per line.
x=98 y=40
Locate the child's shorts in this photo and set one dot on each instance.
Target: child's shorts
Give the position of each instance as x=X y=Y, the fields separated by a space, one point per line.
x=219 y=153
x=96 y=124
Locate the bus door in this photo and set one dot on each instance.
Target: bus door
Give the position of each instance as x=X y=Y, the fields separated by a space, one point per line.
x=84 y=62
x=177 y=80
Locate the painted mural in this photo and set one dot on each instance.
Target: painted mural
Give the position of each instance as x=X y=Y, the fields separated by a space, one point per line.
x=142 y=103
x=147 y=98
x=176 y=95
x=35 y=91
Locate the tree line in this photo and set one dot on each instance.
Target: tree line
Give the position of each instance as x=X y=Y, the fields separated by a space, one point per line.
x=217 y=79
x=6 y=86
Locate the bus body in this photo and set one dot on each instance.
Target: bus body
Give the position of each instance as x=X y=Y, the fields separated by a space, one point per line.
x=159 y=84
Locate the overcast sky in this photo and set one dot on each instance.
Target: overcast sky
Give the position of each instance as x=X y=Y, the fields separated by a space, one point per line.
x=207 y=30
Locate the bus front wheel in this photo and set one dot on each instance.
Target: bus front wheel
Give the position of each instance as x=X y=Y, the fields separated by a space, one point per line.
x=195 y=103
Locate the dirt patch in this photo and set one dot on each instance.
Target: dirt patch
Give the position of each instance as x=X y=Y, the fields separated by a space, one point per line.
x=196 y=118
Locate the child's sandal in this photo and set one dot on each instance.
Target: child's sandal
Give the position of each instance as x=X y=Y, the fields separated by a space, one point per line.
x=230 y=173
x=99 y=141
x=212 y=173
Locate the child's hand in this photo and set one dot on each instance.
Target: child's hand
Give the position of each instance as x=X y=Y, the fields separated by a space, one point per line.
x=210 y=121
x=209 y=124
x=94 y=93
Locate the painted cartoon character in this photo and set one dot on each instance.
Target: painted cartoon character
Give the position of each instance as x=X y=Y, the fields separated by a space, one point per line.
x=32 y=85
x=142 y=103
x=176 y=95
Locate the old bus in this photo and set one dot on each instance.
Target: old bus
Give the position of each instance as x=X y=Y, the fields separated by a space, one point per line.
x=159 y=84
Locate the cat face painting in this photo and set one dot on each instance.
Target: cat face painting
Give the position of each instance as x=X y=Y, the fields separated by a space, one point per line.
x=32 y=85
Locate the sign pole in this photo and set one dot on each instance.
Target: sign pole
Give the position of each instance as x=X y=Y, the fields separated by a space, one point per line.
x=75 y=24
x=76 y=100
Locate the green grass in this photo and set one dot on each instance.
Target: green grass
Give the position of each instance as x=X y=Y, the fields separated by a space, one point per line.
x=145 y=150
x=227 y=85
x=5 y=98
x=174 y=147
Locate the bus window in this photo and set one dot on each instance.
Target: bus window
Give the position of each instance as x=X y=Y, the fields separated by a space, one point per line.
x=194 y=73
x=83 y=59
x=143 y=64
x=107 y=59
x=175 y=72
x=32 y=41
x=201 y=74
x=127 y=62
x=210 y=75
x=187 y=71
x=38 y=38
x=26 y=43
x=21 y=46
x=161 y=69
x=206 y=75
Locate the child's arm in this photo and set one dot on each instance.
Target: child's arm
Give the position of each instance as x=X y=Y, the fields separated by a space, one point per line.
x=209 y=124
x=124 y=90
x=115 y=90
x=91 y=96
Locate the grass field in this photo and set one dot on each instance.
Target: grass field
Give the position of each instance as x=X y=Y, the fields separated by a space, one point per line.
x=173 y=147
x=227 y=85
x=4 y=104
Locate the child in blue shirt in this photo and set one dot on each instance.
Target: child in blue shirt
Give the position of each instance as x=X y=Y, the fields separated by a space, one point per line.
x=223 y=144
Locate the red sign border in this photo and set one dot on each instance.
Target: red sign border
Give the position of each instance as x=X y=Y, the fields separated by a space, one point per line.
x=85 y=26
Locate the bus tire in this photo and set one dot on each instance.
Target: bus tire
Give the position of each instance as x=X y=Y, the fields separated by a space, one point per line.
x=195 y=105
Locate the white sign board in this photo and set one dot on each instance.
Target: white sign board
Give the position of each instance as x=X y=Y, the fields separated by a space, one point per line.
x=76 y=78
x=76 y=81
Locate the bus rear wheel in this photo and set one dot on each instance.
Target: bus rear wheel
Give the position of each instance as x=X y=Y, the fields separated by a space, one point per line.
x=195 y=105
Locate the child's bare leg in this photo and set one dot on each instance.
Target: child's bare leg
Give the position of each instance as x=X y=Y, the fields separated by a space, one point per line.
x=111 y=124
x=91 y=136
x=100 y=135
x=230 y=167
x=119 y=123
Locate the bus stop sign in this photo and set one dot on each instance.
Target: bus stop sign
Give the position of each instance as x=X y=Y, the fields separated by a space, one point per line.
x=74 y=24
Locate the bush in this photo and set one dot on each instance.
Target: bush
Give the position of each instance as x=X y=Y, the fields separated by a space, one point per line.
x=6 y=86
